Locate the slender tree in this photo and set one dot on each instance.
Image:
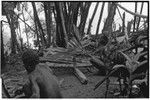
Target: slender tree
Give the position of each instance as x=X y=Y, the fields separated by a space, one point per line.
x=84 y=10
x=13 y=34
x=135 y=17
x=100 y=18
x=25 y=26
x=139 y=17
x=107 y=29
x=123 y=23
x=36 y=30
x=91 y=20
x=48 y=16
x=2 y=48
x=42 y=34
x=76 y=10
x=61 y=35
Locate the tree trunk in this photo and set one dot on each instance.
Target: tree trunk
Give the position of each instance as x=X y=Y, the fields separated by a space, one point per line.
x=135 y=17
x=89 y=27
x=75 y=16
x=99 y=21
x=61 y=34
x=48 y=16
x=139 y=17
x=123 y=23
x=20 y=38
x=36 y=30
x=42 y=35
x=2 y=49
x=13 y=34
x=25 y=27
x=84 y=15
x=107 y=29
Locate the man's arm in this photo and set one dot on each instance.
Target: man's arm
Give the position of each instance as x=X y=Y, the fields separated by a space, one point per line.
x=35 y=88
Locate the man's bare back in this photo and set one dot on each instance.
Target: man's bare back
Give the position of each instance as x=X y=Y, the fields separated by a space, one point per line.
x=44 y=83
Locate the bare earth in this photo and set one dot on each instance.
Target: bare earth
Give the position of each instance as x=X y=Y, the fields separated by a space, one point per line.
x=71 y=87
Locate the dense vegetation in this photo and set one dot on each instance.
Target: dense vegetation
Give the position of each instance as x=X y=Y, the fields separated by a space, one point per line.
x=63 y=32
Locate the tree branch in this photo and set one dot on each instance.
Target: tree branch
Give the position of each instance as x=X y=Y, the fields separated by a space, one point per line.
x=135 y=14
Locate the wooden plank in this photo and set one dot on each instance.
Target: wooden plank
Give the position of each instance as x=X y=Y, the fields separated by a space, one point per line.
x=79 y=65
x=79 y=74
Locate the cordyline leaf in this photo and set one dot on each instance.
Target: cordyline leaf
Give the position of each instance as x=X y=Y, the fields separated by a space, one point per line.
x=140 y=38
x=131 y=65
x=115 y=68
x=137 y=56
x=118 y=66
x=139 y=65
x=126 y=56
x=136 y=76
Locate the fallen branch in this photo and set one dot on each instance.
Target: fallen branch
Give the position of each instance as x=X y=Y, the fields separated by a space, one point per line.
x=79 y=74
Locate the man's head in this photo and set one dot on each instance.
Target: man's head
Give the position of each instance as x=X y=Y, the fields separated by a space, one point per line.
x=30 y=60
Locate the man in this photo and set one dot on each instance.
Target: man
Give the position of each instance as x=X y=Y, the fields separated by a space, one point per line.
x=43 y=83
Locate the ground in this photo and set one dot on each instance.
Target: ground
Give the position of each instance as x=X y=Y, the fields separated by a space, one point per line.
x=71 y=87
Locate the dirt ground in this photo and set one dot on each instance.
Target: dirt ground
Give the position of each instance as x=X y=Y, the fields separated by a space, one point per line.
x=71 y=87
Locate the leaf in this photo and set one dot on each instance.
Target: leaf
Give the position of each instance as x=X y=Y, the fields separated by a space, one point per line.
x=99 y=83
x=126 y=56
x=140 y=65
x=119 y=66
x=138 y=55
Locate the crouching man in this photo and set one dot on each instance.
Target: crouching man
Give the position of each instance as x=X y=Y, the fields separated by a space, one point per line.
x=43 y=83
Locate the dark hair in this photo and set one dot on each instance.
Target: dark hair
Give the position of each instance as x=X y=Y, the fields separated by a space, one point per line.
x=30 y=60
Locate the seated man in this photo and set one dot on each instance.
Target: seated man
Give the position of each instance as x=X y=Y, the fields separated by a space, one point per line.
x=43 y=83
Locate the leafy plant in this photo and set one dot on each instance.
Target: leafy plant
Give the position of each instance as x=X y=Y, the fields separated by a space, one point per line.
x=128 y=72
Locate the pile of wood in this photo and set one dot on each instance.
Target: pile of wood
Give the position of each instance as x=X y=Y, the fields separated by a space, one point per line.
x=64 y=58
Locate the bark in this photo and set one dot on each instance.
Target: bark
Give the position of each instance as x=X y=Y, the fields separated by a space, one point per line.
x=36 y=30
x=75 y=16
x=42 y=34
x=63 y=24
x=13 y=34
x=107 y=29
x=60 y=29
x=48 y=16
x=2 y=49
x=100 y=18
x=119 y=13
x=84 y=15
x=25 y=27
x=70 y=18
x=89 y=27
x=135 y=17
x=139 y=17
x=20 y=38
x=129 y=27
x=123 y=23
